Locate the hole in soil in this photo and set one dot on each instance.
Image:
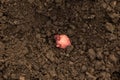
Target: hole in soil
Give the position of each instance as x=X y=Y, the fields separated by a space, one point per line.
x=115 y=75
x=1 y=37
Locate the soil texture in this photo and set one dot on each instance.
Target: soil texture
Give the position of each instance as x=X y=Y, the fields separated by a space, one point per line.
x=27 y=46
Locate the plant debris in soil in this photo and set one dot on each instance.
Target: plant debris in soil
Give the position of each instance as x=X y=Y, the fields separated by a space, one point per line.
x=27 y=45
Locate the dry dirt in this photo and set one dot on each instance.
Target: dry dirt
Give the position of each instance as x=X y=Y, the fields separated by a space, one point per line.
x=27 y=45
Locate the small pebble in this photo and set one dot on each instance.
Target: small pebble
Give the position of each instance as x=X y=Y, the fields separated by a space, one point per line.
x=110 y=27
x=2 y=46
x=113 y=58
x=30 y=1
x=91 y=53
x=1 y=14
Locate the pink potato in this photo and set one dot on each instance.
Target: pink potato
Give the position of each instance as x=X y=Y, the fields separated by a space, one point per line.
x=62 y=41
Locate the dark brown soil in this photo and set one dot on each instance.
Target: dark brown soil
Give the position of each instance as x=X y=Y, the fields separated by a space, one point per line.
x=27 y=45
